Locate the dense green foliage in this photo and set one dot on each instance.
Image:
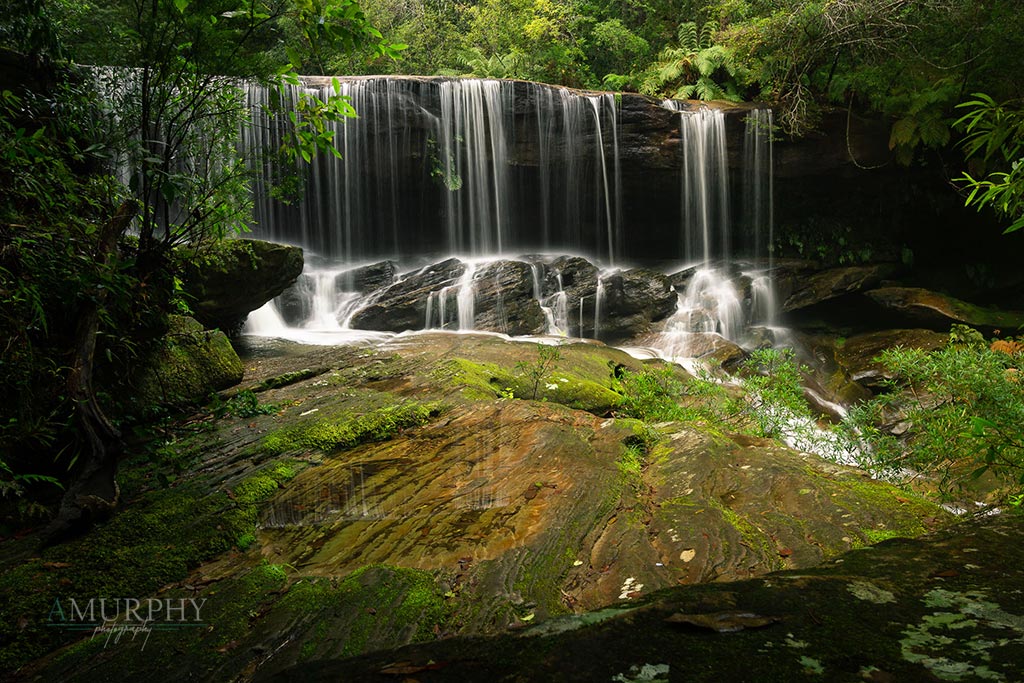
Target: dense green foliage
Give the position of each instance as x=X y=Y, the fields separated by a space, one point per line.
x=961 y=409
x=911 y=59
x=103 y=171
x=771 y=403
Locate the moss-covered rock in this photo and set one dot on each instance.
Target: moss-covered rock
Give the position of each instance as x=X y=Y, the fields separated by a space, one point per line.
x=939 y=311
x=225 y=280
x=187 y=365
x=355 y=516
x=943 y=608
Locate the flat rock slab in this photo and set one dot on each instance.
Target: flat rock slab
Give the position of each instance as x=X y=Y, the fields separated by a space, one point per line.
x=946 y=607
x=490 y=514
x=939 y=311
x=800 y=289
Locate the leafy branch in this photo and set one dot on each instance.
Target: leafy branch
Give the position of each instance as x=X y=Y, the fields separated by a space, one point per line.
x=994 y=136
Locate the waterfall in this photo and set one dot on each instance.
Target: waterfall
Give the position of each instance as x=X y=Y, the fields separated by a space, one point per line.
x=609 y=218
x=480 y=167
x=465 y=297
x=598 y=301
x=704 y=192
x=709 y=304
x=435 y=166
x=353 y=206
x=462 y=294
x=554 y=307
x=265 y=322
x=326 y=301
x=558 y=322
x=758 y=182
x=472 y=139
x=763 y=303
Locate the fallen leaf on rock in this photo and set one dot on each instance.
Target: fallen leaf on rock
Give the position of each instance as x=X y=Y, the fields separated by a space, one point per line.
x=56 y=565
x=724 y=622
x=947 y=574
x=786 y=552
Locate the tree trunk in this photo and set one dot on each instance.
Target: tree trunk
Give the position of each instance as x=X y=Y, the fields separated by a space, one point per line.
x=93 y=491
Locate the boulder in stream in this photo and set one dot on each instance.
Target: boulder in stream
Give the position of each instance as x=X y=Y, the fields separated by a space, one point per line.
x=633 y=299
x=403 y=305
x=802 y=290
x=368 y=278
x=504 y=299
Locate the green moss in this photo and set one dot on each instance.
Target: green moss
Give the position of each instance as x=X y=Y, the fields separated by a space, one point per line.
x=478 y=381
x=348 y=431
x=255 y=489
x=878 y=535
x=189 y=364
x=484 y=381
x=905 y=510
x=252 y=491
x=574 y=392
x=288 y=378
x=752 y=536
x=158 y=540
x=373 y=607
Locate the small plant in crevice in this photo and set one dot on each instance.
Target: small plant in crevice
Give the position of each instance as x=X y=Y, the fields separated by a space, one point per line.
x=244 y=404
x=535 y=372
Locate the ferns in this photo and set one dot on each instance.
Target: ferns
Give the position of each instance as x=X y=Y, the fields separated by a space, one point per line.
x=688 y=39
x=696 y=67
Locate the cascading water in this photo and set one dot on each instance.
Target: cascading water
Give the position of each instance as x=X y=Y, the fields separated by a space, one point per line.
x=474 y=157
x=442 y=315
x=705 y=182
x=758 y=181
x=465 y=298
x=479 y=167
x=426 y=148
x=353 y=206
x=762 y=295
x=710 y=302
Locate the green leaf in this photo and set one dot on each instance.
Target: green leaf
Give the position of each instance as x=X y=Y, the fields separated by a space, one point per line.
x=181 y=5
x=904 y=132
